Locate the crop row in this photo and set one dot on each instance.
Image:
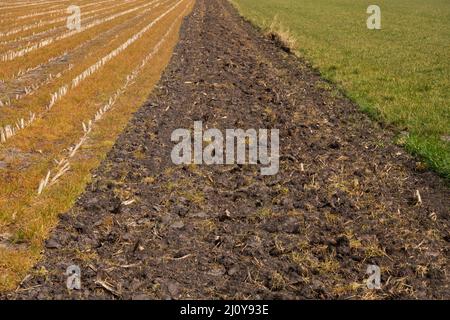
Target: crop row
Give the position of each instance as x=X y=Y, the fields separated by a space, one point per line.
x=42 y=23
x=63 y=165
x=64 y=89
x=13 y=54
x=65 y=59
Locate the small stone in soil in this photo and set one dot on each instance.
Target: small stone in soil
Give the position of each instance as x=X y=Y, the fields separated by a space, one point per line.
x=51 y=244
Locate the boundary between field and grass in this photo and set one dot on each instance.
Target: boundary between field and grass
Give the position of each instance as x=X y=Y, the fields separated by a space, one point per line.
x=433 y=151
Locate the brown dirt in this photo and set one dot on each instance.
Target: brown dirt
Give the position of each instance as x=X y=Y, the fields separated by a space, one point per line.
x=228 y=232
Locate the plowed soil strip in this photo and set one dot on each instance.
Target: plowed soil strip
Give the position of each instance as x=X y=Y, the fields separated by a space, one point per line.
x=345 y=197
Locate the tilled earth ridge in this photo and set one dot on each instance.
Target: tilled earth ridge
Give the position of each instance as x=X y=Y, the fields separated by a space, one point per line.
x=344 y=198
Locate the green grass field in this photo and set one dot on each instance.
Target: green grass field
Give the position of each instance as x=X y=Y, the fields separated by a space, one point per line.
x=400 y=74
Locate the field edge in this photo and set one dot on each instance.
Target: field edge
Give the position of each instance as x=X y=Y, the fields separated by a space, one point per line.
x=433 y=152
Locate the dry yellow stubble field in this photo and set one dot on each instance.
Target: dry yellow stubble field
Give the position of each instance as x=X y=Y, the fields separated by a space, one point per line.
x=66 y=92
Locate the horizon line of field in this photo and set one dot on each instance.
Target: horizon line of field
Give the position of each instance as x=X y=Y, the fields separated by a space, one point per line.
x=8 y=131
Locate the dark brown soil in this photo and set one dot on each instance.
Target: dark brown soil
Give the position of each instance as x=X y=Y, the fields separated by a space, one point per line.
x=228 y=232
